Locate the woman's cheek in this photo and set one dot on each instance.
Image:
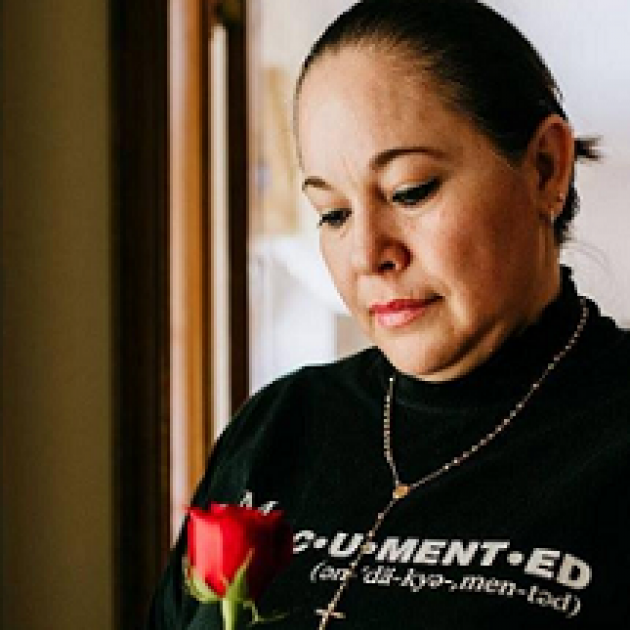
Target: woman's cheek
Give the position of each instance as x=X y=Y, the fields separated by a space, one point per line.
x=338 y=263
x=333 y=258
x=445 y=249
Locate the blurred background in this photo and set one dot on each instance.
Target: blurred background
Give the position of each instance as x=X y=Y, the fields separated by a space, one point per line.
x=159 y=263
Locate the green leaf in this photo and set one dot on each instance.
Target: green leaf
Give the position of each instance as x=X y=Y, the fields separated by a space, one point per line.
x=236 y=591
x=235 y=605
x=196 y=585
x=258 y=618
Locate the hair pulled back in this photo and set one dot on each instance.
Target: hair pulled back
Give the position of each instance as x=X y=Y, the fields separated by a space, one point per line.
x=481 y=63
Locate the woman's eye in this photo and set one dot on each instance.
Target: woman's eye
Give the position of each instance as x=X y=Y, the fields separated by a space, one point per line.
x=412 y=195
x=334 y=218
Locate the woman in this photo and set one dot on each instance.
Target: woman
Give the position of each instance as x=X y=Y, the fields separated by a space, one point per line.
x=470 y=470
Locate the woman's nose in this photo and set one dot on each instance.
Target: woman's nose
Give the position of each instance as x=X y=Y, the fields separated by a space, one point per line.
x=376 y=245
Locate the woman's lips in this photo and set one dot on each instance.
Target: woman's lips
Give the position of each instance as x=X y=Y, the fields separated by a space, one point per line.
x=398 y=313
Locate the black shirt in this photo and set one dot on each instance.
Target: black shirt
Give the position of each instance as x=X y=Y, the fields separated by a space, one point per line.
x=529 y=532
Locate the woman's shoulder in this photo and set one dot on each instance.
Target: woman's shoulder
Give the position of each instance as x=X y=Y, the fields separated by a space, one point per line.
x=306 y=392
x=351 y=372
x=597 y=380
x=607 y=347
x=293 y=411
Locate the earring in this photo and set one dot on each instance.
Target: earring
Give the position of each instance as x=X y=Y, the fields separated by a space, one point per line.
x=553 y=215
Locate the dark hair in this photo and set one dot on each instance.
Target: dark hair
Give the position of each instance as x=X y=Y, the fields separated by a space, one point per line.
x=487 y=69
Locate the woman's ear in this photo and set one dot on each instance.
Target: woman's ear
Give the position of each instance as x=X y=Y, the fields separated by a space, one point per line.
x=551 y=153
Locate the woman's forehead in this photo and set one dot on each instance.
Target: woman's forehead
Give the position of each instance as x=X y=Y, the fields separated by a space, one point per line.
x=358 y=105
x=351 y=61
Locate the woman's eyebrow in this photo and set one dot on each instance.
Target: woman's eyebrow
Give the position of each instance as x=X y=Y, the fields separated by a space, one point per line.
x=315 y=182
x=383 y=158
x=378 y=162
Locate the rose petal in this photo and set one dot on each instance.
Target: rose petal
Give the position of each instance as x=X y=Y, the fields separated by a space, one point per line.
x=223 y=537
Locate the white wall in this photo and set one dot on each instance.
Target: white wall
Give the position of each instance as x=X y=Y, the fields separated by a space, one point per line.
x=56 y=409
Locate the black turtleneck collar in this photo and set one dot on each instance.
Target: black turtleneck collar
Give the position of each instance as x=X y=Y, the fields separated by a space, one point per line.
x=510 y=371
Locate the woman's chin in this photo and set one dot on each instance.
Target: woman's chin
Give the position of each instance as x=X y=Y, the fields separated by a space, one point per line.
x=413 y=363
x=434 y=365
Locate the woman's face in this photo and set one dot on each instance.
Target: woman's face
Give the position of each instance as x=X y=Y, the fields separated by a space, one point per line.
x=436 y=243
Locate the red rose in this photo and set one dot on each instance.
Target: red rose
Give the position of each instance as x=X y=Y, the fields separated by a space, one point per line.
x=223 y=539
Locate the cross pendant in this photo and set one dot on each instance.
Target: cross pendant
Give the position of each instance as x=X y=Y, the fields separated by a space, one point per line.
x=327 y=613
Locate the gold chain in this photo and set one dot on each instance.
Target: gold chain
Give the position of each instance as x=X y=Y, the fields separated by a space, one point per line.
x=402 y=490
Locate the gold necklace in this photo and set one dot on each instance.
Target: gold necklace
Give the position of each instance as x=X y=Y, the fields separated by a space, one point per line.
x=402 y=490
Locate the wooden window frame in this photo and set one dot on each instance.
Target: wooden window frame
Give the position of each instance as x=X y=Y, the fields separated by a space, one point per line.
x=190 y=290
x=145 y=188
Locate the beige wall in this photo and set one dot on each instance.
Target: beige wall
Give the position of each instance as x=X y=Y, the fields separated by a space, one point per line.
x=57 y=411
